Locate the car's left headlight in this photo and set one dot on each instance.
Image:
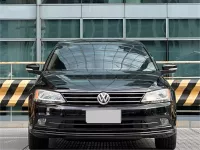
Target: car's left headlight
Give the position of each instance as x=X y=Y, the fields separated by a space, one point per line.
x=158 y=96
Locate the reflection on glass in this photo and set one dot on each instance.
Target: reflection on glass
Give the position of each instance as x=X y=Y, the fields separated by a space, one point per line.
x=20 y=71
x=184 y=28
x=102 y=1
x=99 y=28
x=157 y=49
x=5 y=71
x=100 y=56
x=183 y=1
x=16 y=52
x=60 y=1
x=61 y=28
x=17 y=1
x=17 y=29
x=115 y=1
x=185 y=51
x=146 y=1
x=47 y=47
x=145 y=28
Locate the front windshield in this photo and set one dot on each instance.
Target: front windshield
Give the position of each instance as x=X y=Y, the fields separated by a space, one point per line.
x=98 y=56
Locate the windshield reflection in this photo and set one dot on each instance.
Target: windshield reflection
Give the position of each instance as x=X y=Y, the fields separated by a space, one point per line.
x=98 y=56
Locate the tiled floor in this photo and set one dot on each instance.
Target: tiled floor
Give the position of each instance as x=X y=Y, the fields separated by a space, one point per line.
x=15 y=138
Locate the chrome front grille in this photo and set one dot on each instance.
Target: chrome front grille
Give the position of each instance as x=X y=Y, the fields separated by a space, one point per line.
x=90 y=98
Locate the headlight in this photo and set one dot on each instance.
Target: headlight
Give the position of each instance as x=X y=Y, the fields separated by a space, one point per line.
x=163 y=95
x=48 y=97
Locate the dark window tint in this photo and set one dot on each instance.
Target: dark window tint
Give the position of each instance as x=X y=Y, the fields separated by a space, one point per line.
x=157 y=49
x=185 y=51
x=146 y=1
x=101 y=56
x=145 y=28
x=16 y=52
x=184 y=28
x=102 y=1
x=60 y=1
x=17 y=1
x=98 y=1
x=17 y=29
x=99 y=28
x=61 y=28
x=184 y=1
x=47 y=47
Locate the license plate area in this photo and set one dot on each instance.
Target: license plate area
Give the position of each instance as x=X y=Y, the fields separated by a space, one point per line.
x=103 y=116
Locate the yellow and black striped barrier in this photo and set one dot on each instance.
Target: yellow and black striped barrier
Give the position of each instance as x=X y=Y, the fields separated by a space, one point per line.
x=187 y=92
x=15 y=92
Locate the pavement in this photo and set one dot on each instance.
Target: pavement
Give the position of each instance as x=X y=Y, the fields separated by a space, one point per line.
x=13 y=136
x=16 y=139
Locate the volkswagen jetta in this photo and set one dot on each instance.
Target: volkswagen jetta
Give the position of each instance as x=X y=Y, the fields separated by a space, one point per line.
x=101 y=89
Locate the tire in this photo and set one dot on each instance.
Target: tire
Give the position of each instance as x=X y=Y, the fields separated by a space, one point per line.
x=166 y=143
x=37 y=143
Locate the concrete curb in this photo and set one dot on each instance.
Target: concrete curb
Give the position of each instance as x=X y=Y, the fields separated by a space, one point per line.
x=24 y=124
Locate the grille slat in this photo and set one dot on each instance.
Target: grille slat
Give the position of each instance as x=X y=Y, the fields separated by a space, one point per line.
x=96 y=97
x=97 y=102
x=91 y=93
x=90 y=98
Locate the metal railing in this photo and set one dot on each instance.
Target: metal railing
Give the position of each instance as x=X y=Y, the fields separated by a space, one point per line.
x=7 y=115
x=10 y=76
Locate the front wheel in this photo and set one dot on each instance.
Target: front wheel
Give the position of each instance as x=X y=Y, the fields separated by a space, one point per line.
x=37 y=143
x=166 y=143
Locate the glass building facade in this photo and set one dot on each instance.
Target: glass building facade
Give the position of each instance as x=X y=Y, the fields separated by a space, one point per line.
x=29 y=29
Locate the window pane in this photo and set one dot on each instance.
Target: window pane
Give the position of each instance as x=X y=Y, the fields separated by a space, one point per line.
x=102 y=1
x=146 y=1
x=17 y=1
x=162 y=1
x=16 y=52
x=17 y=29
x=5 y=71
x=106 y=55
x=61 y=28
x=185 y=51
x=184 y=1
x=145 y=28
x=184 y=28
x=103 y=28
x=47 y=47
x=60 y=1
x=157 y=49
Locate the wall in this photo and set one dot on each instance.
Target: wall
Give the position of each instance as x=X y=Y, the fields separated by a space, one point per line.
x=29 y=29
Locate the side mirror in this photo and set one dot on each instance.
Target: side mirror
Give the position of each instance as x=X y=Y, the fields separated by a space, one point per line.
x=168 y=68
x=33 y=68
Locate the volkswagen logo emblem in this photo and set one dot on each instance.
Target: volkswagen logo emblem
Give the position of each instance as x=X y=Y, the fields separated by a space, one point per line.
x=103 y=98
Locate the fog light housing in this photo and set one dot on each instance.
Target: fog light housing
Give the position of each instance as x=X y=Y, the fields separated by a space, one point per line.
x=164 y=121
x=41 y=121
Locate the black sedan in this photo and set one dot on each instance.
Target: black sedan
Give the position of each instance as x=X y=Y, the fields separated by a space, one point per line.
x=101 y=89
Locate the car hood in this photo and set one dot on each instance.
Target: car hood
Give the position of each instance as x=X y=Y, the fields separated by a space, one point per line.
x=109 y=81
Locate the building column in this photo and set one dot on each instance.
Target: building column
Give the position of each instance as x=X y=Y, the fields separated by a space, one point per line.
x=38 y=31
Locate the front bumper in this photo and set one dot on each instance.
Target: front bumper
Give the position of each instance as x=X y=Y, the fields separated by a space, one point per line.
x=141 y=121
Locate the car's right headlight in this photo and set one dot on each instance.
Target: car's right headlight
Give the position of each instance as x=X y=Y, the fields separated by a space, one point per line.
x=45 y=96
x=158 y=96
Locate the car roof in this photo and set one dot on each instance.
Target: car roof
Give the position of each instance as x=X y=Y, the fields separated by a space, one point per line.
x=103 y=41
